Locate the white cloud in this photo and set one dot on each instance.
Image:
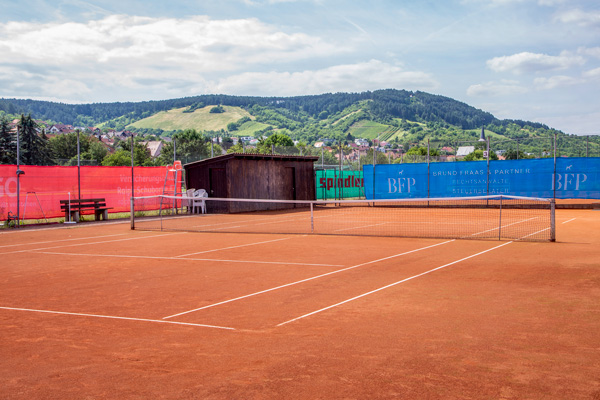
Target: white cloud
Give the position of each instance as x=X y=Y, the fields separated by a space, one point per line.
x=592 y=74
x=580 y=17
x=201 y=42
x=551 y=3
x=590 y=51
x=533 y=62
x=492 y=89
x=348 y=78
x=555 y=82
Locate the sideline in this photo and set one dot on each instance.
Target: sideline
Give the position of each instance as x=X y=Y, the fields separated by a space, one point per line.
x=305 y=280
x=115 y=317
x=88 y=243
x=390 y=285
x=56 y=253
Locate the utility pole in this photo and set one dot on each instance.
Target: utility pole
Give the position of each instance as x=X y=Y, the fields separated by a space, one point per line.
x=78 y=168
x=19 y=173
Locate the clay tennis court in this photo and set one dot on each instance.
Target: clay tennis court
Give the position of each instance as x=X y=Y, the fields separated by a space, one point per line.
x=99 y=311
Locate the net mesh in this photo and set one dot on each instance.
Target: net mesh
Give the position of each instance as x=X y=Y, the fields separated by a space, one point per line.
x=484 y=217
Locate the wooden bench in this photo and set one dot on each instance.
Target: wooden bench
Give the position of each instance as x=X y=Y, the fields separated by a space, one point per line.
x=77 y=207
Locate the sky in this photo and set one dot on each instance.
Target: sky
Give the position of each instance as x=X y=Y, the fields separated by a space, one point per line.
x=533 y=60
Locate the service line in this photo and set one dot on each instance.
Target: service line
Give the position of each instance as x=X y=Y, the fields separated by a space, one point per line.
x=305 y=280
x=390 y=285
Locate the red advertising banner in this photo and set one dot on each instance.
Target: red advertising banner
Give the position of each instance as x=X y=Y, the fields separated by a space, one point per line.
x=42 y=187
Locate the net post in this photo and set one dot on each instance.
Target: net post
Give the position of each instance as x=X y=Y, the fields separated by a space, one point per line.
x=131 y=209
x=500 y=221
x=552 y=220
x=312 y=219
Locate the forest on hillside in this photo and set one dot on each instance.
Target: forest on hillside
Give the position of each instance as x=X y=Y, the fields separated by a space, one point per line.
x=384 y=105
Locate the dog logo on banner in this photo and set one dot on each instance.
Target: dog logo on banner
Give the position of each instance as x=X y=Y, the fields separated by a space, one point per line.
x=401 y=185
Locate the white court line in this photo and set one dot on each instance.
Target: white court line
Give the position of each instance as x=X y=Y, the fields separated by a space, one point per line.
x=305 y=280
x=503 y=226
x=360 y=227
x=305 y=216
x=534 y=233
x=390 y=285
x=31 y=228
x=62 y=240
x=185 y=259
x=234 y=247
x=115 y=317
x=572 y=219
x=85 y=244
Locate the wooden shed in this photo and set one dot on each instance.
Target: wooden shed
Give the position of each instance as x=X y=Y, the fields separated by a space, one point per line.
x=253 y=176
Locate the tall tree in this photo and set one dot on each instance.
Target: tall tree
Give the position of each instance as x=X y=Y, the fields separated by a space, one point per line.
x=8 y=145
x=141 y=155
x=64 y=147
x=34 y=148
x=190 y=145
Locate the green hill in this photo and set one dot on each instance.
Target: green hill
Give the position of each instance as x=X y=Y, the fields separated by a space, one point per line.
x=402 y=117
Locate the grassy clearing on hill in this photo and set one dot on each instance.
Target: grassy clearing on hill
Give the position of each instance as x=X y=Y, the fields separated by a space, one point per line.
x=249 y=128
x=371 y=129
x=201 y=119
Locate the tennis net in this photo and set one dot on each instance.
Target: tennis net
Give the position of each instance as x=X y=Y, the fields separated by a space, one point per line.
x=482 y=217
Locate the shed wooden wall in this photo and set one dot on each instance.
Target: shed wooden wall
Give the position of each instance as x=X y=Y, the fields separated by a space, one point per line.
x=249 y=178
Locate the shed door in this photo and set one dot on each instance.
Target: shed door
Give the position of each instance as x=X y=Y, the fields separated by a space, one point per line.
x=218 y=182
x=290 y=183
x=217 y=188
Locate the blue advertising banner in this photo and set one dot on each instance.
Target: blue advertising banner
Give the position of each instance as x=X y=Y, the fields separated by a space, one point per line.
x=576 y=178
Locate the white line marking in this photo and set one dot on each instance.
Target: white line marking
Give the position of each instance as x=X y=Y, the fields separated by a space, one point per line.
x=504 y=226
x=360 y=227
x=89 y=243
x=305 y=280
x=115 y=317
x=390 y=285
x=534 y=233
x=61 y=240
x=572 y=219
x=234 y=247
x=33 y=228
x=186 y=259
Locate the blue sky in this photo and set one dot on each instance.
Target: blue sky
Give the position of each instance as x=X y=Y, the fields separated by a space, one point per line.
x=536 y=60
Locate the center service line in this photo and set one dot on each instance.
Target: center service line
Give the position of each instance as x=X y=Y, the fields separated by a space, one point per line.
x=390 y=285
x=233 y=247
x=305 y=280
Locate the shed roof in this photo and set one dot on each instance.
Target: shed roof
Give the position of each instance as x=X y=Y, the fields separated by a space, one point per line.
x=251 y=156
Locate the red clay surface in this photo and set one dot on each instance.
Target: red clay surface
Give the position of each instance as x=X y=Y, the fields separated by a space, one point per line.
x=98 y=311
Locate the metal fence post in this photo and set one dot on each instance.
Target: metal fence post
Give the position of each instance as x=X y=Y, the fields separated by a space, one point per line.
x=131 y=210
x=554 y=175
x=552 y=220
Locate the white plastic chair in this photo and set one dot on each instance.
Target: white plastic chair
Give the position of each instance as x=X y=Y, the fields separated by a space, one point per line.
x=200 y=194
x=186 y=202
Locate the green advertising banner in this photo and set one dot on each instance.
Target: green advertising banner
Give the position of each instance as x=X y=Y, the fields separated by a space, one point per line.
x=333 y=184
